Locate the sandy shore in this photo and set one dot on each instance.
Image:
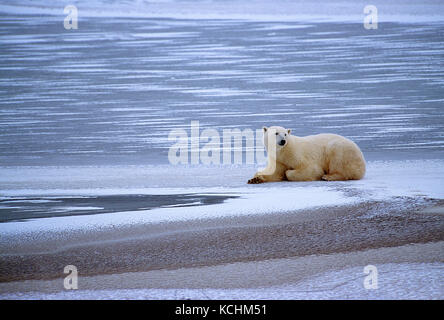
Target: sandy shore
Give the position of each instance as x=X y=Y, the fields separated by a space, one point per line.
x=409 y=271
x=280 y=241
x=230 y=252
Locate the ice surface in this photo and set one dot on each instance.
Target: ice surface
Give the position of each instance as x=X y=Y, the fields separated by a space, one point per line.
x=64 y=103
x=258 y=201
x=259 y=10
x=383 y=181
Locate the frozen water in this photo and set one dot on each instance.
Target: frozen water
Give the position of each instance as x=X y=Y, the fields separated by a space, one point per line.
x=258 y=10
x=111 y=91
x=384 y=180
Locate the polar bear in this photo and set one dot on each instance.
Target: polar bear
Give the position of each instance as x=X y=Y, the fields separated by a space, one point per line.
x=325 y=156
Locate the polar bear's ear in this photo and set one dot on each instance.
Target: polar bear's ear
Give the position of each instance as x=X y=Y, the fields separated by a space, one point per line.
x=288 y=131
x=265 y=129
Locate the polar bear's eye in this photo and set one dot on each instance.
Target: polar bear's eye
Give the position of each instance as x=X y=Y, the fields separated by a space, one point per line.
x=277 y=133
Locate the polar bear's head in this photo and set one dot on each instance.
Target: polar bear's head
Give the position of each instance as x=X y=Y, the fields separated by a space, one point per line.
x=276 y=135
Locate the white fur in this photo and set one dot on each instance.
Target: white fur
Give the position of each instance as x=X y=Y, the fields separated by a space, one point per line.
x=318 y=157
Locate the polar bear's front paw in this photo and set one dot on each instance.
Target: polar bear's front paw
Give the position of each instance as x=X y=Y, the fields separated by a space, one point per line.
x=256 y=180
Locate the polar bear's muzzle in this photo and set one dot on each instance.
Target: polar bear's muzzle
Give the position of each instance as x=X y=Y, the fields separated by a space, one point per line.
x=282 y=142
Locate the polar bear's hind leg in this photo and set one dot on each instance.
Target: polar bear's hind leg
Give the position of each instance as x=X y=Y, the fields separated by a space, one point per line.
x=346 y=161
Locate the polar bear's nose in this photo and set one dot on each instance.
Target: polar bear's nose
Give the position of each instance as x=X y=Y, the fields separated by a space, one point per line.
x=282 y=142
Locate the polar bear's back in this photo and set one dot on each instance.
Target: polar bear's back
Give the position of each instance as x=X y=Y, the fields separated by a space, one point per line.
x=339 y=155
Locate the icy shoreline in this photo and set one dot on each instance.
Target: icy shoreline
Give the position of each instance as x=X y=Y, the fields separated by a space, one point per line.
x=392 y=204
x=384 y=180
x=400 y=281
x=405 y=272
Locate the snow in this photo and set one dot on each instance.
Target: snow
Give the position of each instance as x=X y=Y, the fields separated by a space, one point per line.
x=383 y=181
x=259 y=201
x=395 y=281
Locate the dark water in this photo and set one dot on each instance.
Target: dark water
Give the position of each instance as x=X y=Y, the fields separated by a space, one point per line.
x=111 y=91
x=24 y=208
